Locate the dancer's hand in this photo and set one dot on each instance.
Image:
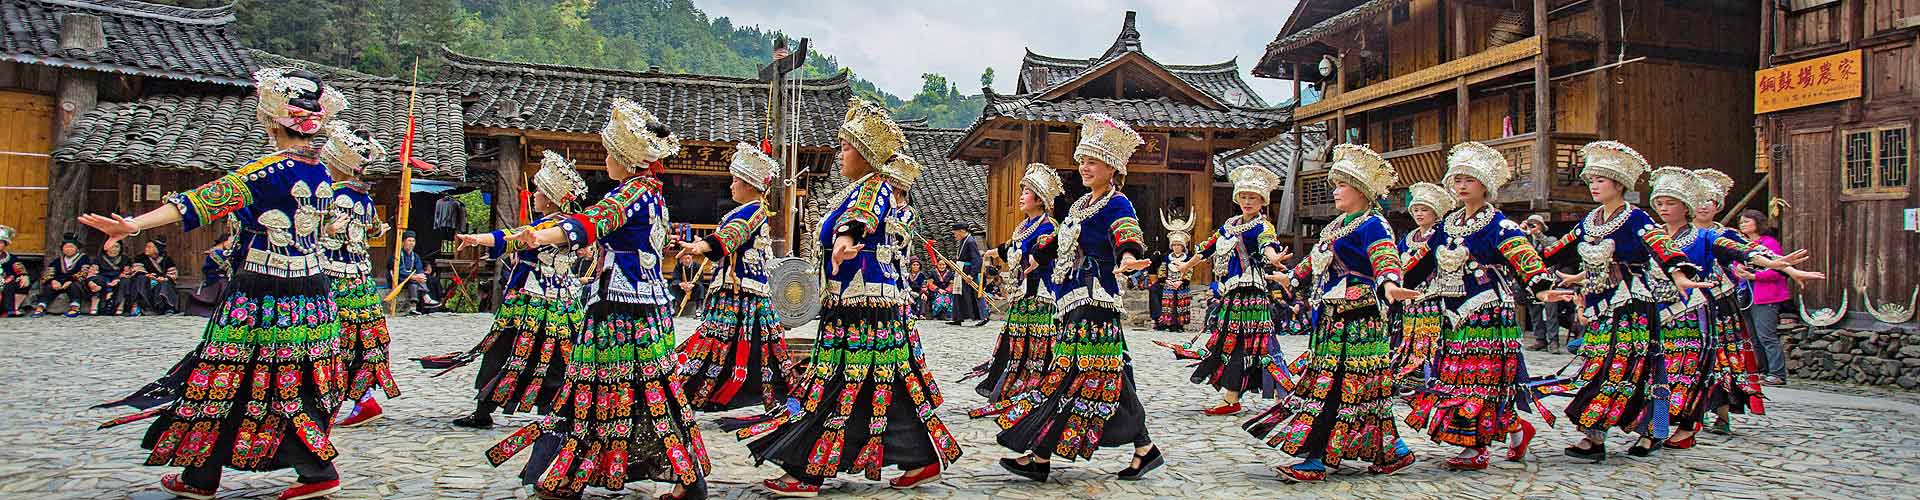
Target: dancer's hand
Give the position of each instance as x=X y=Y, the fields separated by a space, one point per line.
x=474 y=240
x=1279 y=258
x=844 y=249
x=1397 y=293
x=1742 y=273
x=1572 y=279
x=1554 y=295
x=526 y=239
x=115 y=226
x=698 y=247
x=1791 y=259
x=1684 y=282
x=1800 y=276
x=1129 y=263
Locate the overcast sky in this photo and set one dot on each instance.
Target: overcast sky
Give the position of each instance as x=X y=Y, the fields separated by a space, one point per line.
x=892 y=43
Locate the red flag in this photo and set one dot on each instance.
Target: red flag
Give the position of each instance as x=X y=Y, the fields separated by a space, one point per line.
x=526 y=198
x=406 y=161
x=933 y=257
x=766 y=146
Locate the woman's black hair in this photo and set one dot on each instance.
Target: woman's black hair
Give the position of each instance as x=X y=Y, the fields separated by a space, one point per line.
x=1760 y=221
x=309 y=101
x=659 y=129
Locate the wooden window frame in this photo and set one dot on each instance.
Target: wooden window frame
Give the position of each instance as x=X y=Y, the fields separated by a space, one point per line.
x=1878 y=188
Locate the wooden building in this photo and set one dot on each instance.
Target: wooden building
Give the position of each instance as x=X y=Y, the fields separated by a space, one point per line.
x=1838 y=96
x=515 y=111
x=112 y=104
x=1411 y=78
x=1187 y=114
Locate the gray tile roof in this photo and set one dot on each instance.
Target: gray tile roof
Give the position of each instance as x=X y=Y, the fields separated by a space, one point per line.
x=1220 y=80
x=218 y=131
x=1275 y=154
x=575 y=99
x=1345 y=19
x=1161 y=112
x=141 y=39
x=948 y=191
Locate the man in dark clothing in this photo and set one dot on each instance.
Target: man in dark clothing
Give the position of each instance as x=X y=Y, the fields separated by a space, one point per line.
x=60 y=279
x=413 y=275
x=966 y=304
x=1548 y=317
x=687 y=285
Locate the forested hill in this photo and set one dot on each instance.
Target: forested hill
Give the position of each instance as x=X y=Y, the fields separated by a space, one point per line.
x=385 y=36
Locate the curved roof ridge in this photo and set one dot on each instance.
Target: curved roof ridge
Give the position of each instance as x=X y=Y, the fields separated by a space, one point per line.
x=838 y=81
x=186 y=15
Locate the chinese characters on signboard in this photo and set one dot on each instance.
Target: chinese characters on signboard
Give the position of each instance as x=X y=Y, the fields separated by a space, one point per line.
x=1806 y=83
x=1152 y=150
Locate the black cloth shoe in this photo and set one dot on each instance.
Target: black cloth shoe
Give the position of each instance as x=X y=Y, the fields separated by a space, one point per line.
x=1148 y=462
x=1035 y=470
x=474 y=422
x=1597 y=453
x=1646 y=451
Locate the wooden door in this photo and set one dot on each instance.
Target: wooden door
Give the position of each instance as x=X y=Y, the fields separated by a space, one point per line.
x=1809 y=183
x=24 y=148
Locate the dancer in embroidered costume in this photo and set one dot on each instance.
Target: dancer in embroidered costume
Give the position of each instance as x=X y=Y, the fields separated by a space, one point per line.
x=259 y=390
x=1341 y=405
x=1733 y=375
x=1473 y=265
x=1089 y=399
x=1021 y=357
x=621 y=415
x=1236 y=356
x=523 y=359
x=1690 y=335
x=363 y=327
x=868 y=401
x=1623 y=257
x=1176 y=299
x=738 y=356
x=1418 y=321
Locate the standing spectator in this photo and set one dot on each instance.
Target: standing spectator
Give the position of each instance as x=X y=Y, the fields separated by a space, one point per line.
x=413 y=276
x=966 y=304
x=59 y=279
x=686 y=281
x=1546 y=317
x=155 y=288
x=1769 y=292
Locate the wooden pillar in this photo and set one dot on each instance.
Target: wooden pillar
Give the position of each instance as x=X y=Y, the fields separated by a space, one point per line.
x=1461 y=104
x=506 y=190
x=1290 y=192
x=1543 y=110
x=785 y=244
x=1602 y=92
x=1340 y=83
x=67 y=183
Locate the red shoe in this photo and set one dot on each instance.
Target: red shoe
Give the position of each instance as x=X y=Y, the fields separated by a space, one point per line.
x=315 y=490
x=1681 y=444
x=1403 y=462
x=1518 y=451
x=171 y=483
x=365 y=411
x=790 y=489
x=1292 y=475
x=1224 y=409
x=916 y=477
x=1476 y=462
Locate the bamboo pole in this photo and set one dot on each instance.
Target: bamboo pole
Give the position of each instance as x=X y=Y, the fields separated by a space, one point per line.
x=406 y=192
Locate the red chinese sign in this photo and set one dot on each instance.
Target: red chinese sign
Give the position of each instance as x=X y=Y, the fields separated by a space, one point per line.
x=1806 y=83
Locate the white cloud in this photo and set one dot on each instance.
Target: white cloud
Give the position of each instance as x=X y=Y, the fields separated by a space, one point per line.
x=893 y=43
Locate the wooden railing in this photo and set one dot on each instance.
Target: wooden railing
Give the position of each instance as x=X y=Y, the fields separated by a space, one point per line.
x=1428 y=163
x=1421 y=79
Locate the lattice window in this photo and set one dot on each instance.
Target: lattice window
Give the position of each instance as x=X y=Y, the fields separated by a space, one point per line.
x=1317 y=192
x=1400 y=136
x=1893 y=156
x=1876 y=163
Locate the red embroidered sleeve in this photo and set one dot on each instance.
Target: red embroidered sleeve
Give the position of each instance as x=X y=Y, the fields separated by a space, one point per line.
x=220 y=197
x=735 y=232
x=1662 y=249
x=1126 y=233
x=1204 y=249
x=609 y=213
x=1525 y=261
x=1385 y=258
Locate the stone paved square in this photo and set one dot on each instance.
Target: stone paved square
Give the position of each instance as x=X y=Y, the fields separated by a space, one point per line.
x=1847 y=444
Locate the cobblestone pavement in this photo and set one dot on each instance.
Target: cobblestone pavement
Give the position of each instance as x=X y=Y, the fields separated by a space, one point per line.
x=1811 y=444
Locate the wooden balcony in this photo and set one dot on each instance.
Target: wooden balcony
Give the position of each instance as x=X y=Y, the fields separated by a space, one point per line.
x=1478 y=68
x=1428 y=164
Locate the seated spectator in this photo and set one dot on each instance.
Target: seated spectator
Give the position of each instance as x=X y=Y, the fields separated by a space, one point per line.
x=109 y=286
x=15 y=282
x=60 y=279
x=153 y=287
x=413 y=277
